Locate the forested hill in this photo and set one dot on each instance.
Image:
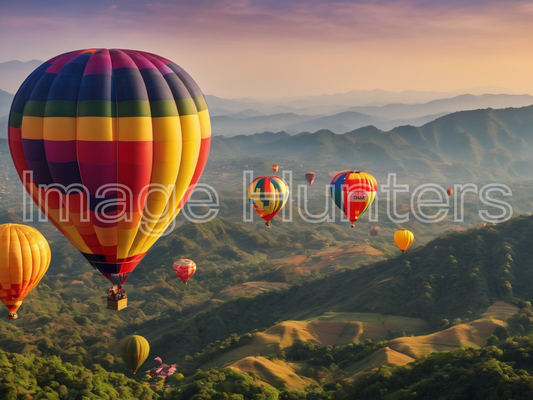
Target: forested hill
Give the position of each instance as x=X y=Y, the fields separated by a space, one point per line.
x=452 y=277
x=480 y=144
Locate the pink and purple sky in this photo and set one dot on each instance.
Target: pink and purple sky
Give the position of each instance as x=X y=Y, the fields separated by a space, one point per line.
x=278 y=48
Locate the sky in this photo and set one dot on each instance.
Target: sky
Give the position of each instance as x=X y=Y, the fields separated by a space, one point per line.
x=286 y=48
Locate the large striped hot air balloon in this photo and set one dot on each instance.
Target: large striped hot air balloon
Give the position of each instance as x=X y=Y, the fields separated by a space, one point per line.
x=116 y=140
x=134 y=351
x=268 y=195
x=353 y=192
x=24 y=259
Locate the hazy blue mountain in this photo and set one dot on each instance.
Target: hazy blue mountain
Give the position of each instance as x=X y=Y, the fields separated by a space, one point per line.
x=340 y=120
x=13 y=73
x=481 y=144
x=459 y=103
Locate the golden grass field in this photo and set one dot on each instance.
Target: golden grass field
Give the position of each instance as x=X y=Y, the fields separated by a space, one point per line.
x=276 y=373
x=472 y=334
x=335 y=328
x=500 y=310
x=384 y=356
x=328 y=329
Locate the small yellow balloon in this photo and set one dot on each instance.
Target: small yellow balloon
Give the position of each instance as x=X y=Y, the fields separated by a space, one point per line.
x=404 y=239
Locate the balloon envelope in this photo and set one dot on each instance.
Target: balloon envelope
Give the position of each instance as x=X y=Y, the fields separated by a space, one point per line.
x=134 y=351
x=115 y=141
x=353 y=192
x=403 y=239
x=374 y=231
x=449 y=191
x=24 y=259
x=310 y=177
x=184 y=269
x=268 y=195
x=275 y=168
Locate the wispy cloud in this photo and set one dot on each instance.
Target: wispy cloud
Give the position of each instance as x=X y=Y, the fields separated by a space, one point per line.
x=348 y=44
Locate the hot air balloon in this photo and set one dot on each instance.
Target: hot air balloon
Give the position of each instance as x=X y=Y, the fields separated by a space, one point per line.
x=268 y=195
x=374 y=231
x=449 y=191
x=310 y=177
x=158 y=361
x=403 y=239
x=115 y=141
x=353 y=192
x=184 y=269
x=134 y=350
x=24 y=259
x=275 y=168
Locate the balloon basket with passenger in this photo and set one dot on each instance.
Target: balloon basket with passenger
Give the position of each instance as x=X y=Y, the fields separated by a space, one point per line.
x=117 y=299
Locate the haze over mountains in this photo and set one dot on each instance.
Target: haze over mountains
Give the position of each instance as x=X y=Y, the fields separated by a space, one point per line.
x=339 y=113
x=473 y=145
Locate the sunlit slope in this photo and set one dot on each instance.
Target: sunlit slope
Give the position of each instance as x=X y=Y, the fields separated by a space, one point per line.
x=332 y=329
x=276 y=373
x=384 y=356
x=472 y=334
x=454 y=276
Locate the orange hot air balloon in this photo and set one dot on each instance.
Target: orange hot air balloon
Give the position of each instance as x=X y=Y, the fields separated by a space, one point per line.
x=310 y=176
x=24 y=259
x=404 y=239
x=449 y=191
x=275 y=168
x=185 y=269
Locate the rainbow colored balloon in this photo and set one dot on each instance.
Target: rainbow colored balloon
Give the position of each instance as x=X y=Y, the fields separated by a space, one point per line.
x=268 y=195
x=116 y=140
x=353 y=192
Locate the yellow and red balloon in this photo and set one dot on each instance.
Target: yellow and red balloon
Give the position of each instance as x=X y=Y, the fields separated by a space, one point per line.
x=268 y=195
x=353 y=192
x=24 y=259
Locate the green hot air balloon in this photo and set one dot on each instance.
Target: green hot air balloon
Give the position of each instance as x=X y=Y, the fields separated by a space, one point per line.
x=134 y=350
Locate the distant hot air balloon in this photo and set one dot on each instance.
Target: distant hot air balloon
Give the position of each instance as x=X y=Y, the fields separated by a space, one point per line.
x=374 y=231
x=24 y=259
x=403 y=239
x=268 y=195
x=134 y=351
x=449 y=191
x=185 y=269
x=353 y=192
x=158 y=361
x=310 y=176
x=275 y=168
x=102 y=132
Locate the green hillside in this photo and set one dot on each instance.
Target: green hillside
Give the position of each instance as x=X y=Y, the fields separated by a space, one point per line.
x=452 y=278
